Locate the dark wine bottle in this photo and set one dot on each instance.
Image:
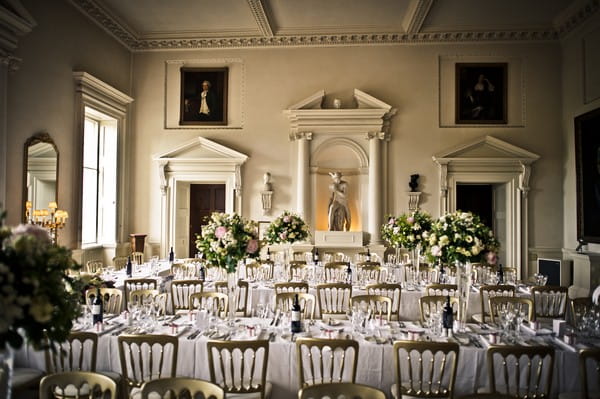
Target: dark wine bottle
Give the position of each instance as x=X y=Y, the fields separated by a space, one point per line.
x=368 y=254
x=442 y=278
x=296 y=323
x=202 y=275
x=316 y=256
x=97 y=308
x=447 y=316
x=349 y=274
x=500 y=274
x=171 y=255
x=268 y=253
x=129 y=268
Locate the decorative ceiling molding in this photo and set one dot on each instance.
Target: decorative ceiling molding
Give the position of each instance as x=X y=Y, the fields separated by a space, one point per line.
x=575 y=16
x=150 y=41
x=418 y=11
x=258 y=11
x=109 y=22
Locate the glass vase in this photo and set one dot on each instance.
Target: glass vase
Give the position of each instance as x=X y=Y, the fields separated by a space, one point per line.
x=6 y=369
x=463 y=282
x=233 y=292
x=415 y=257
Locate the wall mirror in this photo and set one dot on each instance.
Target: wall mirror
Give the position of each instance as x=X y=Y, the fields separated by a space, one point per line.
x=40 y=172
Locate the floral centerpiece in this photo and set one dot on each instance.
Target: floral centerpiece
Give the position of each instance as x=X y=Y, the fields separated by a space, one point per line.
x=408 y=230
x=461 y=236
x=286 y=229
x=226 y=239
x=38 y=298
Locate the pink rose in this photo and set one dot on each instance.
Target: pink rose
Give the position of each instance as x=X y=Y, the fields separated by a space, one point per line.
x=410 y=220
x=31 y=230
x=286 y=219
x=252 y=246
x=283 y=236
x=220 y=231
x=391 y=221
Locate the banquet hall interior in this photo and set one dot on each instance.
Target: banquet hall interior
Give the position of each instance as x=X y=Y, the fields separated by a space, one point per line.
x=125 y=124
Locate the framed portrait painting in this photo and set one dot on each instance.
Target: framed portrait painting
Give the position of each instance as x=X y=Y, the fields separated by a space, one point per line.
x=203 y=96
x=587 y=165
x=481 y=93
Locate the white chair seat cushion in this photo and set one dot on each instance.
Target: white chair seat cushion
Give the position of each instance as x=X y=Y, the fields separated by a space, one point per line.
x=25 y=376
x=136 y=393
x=396 y=395
x=268 y=388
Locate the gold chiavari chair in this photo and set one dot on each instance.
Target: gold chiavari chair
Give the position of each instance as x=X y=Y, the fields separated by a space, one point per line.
x=371 y=272
x=291 y=286
x=119 y=262
x=427 y=273
x=142 y=296
x=241 y=307
x=340 y=257
x=580 y=306
x=334 y=299
x=298 y=269
x=490 y=291
x=133 y=284
x=327 y=257
x=183 y=271
x=299 y=255
x=216 y=302
x=335 y=271
x=79 y=384
x=434 y=304
x=240 y=367
x=549 y=301
x=181 y=388
x=390 y=290
x=340 y=389
x=441 y=289
x=77 y=353
x=268 y=267
x=322 y=361
x=94 y=266
x=284 y=301
x=253 y=270
x=363 y=257
x=146 y=357
x=376 y=304
x=425 y=369
x=137 y=257
x=181 y=291
x=520 y=371
x=111 y=298
x=498 y=303
x=510 y=274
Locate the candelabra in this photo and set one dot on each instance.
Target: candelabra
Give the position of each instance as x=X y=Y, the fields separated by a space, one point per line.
x=52 y=219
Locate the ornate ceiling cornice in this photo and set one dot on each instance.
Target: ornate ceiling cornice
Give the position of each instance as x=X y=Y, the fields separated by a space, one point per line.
x=136 y=42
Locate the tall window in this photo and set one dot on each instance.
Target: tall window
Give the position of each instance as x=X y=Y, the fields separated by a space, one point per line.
x=99 y=196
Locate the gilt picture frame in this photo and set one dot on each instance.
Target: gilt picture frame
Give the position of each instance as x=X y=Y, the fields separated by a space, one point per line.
x=481 y=93
x=203 y=96
x=587 y=167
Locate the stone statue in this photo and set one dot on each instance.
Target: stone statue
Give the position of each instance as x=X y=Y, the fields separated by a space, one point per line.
x=414 y=182
x=267 y=182
x=339 y=213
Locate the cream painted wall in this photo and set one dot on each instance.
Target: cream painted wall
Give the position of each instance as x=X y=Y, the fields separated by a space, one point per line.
x=404 y=76
x=572 y=106
x=41 y=94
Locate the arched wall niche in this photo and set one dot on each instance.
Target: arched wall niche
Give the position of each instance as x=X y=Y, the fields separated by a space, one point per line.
x=489 y=160
x=349 y=158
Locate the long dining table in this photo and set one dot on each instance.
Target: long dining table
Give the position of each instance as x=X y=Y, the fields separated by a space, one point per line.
x=375 y=363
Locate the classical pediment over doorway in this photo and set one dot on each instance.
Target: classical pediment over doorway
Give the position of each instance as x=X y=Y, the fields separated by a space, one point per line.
x=198 y=161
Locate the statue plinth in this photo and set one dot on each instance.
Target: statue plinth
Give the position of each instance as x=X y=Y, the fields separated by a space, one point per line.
x=338 y=239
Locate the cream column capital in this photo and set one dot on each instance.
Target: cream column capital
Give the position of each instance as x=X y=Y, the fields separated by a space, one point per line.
x=376 y=135
x=162 y=175
x=294 y=136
